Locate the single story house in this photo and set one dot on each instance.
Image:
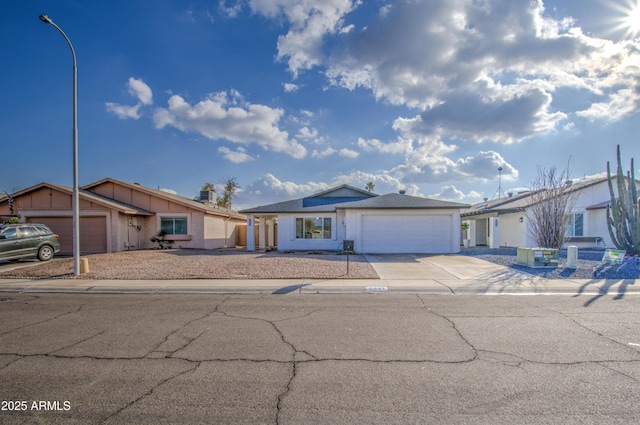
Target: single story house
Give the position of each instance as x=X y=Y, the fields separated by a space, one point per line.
x=504 y=222
x=117 y=216
x=391 y=223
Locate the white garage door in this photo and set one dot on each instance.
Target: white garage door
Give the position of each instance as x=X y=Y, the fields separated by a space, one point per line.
x=405 y=234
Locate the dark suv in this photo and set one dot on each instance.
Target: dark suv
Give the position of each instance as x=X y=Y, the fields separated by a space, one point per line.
x=27 y=240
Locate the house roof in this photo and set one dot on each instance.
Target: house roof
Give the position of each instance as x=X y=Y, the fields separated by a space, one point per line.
x=400 y=201
x=600 y=206
x=207 y=209
x=352 y=198
x=521 y=201
x=344 y=190
x=87 y=196
x=323 y=201
x=509 y=204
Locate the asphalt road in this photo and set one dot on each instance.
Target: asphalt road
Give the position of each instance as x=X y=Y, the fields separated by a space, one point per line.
x=318 y=359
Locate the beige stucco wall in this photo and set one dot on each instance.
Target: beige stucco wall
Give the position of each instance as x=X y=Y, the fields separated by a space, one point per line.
x=220 y=232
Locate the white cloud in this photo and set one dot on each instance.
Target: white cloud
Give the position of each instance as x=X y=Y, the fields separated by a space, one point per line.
x=477 y=70
x=140 y=90
x=309 y=134
x=485 y=71
x=269 y=189
x=383 y=181
x=400 y=146
x=323 y=154
x=238 y=156
x=451 y=193
x=137 y=89
x=225 y=116
x=422 y=166
x=344 y=152
x=124 y=111
x=290 y=87
x=484 y=165
x=230 y=11
x=619 y=105
x=309 y=22
x=348 y=153
x=468 y=116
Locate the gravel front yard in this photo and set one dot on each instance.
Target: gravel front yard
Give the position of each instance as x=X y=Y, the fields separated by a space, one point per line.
x=206 y=264
x=590 y=264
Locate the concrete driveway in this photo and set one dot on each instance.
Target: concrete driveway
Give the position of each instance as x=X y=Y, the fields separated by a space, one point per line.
x=458 y=274
x=433 y=266
x=6 y=265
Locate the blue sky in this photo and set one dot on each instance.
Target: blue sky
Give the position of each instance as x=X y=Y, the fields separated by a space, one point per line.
x=293 y=97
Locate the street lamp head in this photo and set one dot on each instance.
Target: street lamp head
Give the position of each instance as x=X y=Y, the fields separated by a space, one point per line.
x=45 y=19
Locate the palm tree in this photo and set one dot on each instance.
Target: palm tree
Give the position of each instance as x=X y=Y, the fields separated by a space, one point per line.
x=370 y=186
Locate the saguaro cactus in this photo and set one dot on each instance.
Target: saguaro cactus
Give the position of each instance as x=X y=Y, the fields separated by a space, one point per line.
x=622 y=215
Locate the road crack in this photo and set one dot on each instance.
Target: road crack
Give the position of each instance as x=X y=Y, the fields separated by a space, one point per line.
x=42 y=321
x=454 y=327
x=78 y=342
x=169 y=353
x=151 y=391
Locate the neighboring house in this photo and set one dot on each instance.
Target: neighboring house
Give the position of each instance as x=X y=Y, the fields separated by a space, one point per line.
x=116 y=216
x=504 y=222
x=392 y=223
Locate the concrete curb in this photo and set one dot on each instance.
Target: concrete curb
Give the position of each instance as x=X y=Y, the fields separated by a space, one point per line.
x=315 y=286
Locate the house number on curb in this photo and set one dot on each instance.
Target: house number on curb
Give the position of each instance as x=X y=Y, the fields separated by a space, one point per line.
x=377 y=289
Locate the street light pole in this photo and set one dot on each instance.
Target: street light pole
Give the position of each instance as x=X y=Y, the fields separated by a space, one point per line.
x=75 y=204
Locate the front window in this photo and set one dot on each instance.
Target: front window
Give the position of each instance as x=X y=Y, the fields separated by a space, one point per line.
x=576 y=225
x=313 y=228
x=173 y=225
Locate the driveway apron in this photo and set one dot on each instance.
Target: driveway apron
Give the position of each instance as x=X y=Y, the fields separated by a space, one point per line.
x=409 y=267
x=453 y=274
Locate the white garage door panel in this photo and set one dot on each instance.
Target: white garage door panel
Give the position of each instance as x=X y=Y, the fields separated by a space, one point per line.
x=404 y=234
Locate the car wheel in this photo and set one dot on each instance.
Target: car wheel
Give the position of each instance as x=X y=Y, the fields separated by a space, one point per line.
x=45 y=253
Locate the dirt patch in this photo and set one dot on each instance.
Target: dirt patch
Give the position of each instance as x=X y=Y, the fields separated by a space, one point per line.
x=206 y=264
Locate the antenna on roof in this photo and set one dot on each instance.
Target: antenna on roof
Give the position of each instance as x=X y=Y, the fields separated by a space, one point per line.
x=499 y=193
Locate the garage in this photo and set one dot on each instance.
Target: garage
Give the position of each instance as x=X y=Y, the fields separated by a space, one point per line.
x=93 y=233
x=406 y=233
